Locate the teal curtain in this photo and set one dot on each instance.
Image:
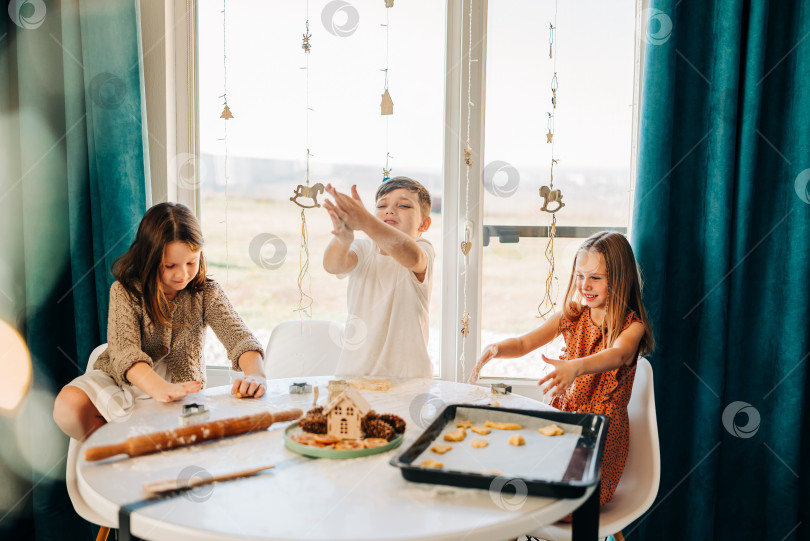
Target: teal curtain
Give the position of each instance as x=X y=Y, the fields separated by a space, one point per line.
x=73 y=186
x=721 y=230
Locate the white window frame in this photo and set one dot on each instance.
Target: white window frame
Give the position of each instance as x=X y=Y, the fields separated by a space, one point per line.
x=170 y=72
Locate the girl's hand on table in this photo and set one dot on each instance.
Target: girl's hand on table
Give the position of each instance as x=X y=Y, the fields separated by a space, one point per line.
x=489 y=352
x=563 y=375
x=253 y=385
x=175 y=391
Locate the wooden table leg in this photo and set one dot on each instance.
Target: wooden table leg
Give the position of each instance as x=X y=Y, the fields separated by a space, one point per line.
x=585 y=526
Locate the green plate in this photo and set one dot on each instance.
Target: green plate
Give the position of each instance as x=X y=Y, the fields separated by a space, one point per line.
x=319 y=452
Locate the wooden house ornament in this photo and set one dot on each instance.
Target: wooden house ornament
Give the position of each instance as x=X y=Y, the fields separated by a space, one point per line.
x=345 y=413
x=387 y=104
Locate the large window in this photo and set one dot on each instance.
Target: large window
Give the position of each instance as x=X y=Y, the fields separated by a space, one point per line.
x=592 y=138
x=253 y=230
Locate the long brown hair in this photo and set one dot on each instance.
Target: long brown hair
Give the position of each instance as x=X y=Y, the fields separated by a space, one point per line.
x=623 y=285
x=139 y=268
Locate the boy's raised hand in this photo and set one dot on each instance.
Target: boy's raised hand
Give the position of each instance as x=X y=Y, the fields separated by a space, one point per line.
x=563 y=375
x=350 y=210
x=339 y=228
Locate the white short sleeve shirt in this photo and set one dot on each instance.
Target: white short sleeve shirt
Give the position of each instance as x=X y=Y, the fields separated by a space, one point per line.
x=387 y=327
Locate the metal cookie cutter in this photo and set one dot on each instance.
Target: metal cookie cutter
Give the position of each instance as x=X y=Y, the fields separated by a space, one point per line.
x=501 y=388
x=194 y=414
x=300 y=388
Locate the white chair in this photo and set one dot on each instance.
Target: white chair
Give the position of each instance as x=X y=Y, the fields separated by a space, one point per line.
x=81 y=506
x=642 y=471
x=308 y=348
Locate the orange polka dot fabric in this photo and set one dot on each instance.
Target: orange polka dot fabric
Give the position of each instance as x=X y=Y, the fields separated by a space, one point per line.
x=606 y=393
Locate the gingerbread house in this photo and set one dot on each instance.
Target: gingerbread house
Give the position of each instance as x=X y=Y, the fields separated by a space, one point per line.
x=345 y=413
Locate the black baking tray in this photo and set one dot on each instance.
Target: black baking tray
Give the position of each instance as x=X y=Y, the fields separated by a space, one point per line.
x=582 y=471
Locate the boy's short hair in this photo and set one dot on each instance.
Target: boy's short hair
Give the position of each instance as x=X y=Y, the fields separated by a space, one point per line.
x=408 y=184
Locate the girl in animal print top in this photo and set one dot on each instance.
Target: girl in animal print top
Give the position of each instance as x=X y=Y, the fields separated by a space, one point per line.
x=605 y=328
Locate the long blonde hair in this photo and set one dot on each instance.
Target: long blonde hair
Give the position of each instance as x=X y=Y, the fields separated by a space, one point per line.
x=623 y=286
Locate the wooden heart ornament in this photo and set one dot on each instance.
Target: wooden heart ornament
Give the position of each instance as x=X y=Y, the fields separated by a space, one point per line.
x=465 y=247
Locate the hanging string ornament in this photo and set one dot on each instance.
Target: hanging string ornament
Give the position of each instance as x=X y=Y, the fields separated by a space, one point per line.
x=305 y=191
x=387 y=104
x=552 y=199
x=226 y=115
x=387 y=169
x=306 y=45
x=466 y=245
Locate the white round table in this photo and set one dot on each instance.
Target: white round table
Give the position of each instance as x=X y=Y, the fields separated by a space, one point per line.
x=304 y=498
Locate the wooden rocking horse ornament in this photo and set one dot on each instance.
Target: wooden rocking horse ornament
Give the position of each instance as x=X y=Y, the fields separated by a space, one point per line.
x=307 y=192
x=551 y=196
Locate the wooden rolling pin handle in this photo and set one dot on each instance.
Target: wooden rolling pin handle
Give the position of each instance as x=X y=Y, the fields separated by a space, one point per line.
x=105 y=451
x=289 y=415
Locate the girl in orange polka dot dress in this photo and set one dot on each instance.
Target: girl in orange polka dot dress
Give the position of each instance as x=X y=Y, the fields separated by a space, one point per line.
x=605 y=329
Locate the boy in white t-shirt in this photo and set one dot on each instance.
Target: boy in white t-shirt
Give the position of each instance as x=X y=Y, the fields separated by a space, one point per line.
x=390 y=278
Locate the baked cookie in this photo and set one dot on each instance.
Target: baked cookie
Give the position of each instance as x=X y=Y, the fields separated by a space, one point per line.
x=503 y=426
x=516 y=440
x=551 y=430
x=456 y=435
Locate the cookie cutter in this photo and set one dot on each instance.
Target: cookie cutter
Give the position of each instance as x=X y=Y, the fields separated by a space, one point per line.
x=501 y=388
x=194 y=414
x=300 y=388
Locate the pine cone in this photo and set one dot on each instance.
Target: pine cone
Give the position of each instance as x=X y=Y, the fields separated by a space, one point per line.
x=396 y=422
x=314 y=422
x=367 y=418
x=375 y=428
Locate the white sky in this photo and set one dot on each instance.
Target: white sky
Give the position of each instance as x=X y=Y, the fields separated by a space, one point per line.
x=267 y=88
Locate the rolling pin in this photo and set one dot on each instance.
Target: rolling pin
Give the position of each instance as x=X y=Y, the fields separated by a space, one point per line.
x=178 y=437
